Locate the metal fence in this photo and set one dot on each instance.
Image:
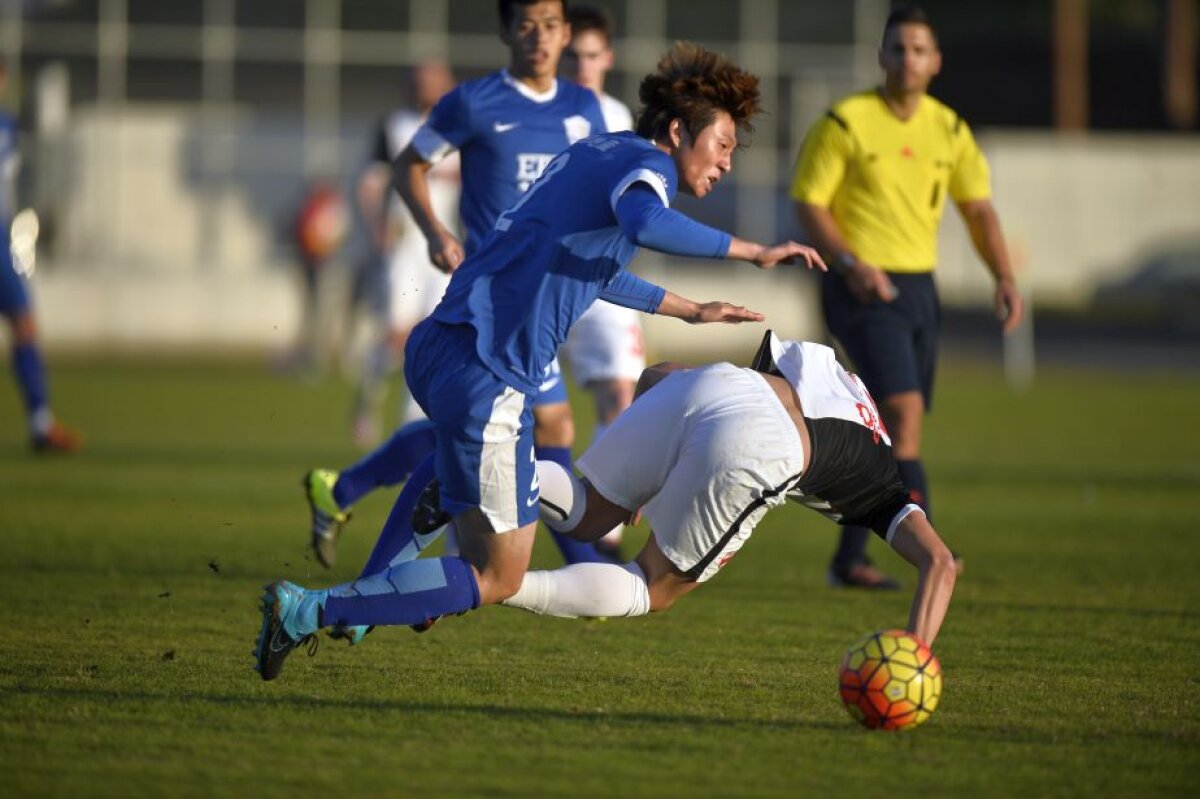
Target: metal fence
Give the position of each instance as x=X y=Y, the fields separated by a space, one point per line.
x=177 y=135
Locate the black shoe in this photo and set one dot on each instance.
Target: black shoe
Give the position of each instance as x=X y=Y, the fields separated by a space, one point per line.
x=862 y=575
x=427 y=514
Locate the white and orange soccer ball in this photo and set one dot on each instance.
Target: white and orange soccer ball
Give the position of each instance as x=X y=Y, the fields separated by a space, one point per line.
x=890 y=680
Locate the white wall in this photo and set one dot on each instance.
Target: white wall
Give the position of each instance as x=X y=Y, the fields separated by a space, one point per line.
x=1077 y=211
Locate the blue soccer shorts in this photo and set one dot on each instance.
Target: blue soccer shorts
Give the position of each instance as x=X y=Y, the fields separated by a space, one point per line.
x=484 y=427
x=553 y=389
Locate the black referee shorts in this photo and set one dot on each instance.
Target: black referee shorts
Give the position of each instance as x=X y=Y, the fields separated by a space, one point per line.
x=893 y=344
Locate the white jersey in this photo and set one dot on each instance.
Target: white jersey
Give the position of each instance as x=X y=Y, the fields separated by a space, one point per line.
x=617 y=116
x=825 y=389
x=413 y=284
x=852 y=477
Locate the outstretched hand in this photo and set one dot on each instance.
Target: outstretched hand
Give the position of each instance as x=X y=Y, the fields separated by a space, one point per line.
x=789 y=252
x=724 y=312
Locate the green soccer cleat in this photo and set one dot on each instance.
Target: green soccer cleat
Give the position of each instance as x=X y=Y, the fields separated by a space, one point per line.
x=327 y=516
x=280 y=634
x=353 y=633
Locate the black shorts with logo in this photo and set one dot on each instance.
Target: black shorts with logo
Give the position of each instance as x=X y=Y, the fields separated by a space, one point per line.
x=893 y=344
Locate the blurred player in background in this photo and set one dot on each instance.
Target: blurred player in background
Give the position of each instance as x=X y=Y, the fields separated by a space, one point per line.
x=870 y=187
x=45 y=432
x=409 y=286
x=704 y=453
x=476 y=363
x=506 y=126
x=604 y=349
x=317 y=231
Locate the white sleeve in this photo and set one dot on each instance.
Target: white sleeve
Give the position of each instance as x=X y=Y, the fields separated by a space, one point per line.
x=641 y=175
x=430 y=145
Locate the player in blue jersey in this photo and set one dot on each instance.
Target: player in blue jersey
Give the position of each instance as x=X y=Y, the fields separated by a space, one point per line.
x=46 y=433
x=506 y=126
x=476 y=363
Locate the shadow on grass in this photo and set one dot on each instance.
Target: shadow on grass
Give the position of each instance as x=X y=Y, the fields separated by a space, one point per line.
x=491 y=712
x=1106 y=611
x=1042 y=475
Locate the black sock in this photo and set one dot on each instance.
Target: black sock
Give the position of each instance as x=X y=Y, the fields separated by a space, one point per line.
x=852 y=549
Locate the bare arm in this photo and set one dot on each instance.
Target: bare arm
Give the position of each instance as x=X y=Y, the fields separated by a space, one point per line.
x=919 y=544
x=768 y=257
x=984 y=226
x=410 y=177
x=866 y=282
x=700 y=313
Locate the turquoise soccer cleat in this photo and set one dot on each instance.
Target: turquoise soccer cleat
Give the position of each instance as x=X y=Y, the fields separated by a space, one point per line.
x=282 y=629
x=353 y=633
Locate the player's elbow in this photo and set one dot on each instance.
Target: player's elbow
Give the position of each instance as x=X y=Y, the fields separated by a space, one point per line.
x=639 y=230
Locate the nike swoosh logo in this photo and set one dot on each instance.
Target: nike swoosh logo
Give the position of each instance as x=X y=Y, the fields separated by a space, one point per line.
x=501 y=127
x=529 y=503
x=276 y=644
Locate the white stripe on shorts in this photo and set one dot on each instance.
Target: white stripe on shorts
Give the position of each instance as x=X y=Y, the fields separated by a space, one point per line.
x=498 y=461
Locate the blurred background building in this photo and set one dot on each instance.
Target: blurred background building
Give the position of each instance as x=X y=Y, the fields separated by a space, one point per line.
x=168 y=144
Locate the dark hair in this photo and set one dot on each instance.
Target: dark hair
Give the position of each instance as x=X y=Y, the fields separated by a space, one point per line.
x=692 y=84
x=908 y=15
x=506 y=9
x=590 y=18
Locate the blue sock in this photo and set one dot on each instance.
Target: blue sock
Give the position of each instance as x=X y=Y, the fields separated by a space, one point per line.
x=31 y=377
x=397 y=543
x=409 y=593
x=572 y=551
x=912 y=474
x=387 y=465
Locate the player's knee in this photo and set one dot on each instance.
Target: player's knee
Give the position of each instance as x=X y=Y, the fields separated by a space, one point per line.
x=496 y=587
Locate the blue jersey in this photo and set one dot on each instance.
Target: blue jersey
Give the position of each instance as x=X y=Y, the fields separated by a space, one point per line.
x=507 y=134
x=552 y=254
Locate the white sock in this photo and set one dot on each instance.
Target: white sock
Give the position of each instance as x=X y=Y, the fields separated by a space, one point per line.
x=586 y=590
x=563 y=497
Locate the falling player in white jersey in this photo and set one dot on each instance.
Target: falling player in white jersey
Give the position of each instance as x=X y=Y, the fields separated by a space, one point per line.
x=410 y=285
x=605 y=349
x=704 y=453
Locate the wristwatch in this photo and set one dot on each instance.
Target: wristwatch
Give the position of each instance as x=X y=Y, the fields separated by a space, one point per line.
x=844 y=263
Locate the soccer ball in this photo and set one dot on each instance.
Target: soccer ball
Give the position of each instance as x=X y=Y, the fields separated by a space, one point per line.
x=890 y=680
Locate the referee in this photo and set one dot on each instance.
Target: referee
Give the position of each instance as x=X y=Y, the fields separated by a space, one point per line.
x=870 y=186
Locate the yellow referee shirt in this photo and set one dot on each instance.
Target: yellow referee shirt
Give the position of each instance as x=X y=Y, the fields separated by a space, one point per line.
x=885 y=180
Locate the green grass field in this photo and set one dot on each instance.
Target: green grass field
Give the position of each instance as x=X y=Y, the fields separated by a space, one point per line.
x=130 y=578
